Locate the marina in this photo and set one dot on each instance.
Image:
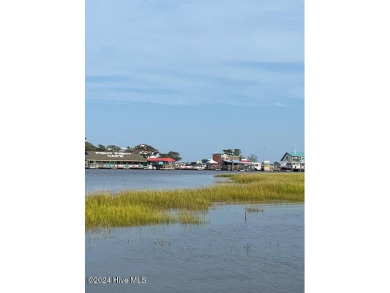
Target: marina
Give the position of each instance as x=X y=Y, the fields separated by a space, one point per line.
x=291 y=161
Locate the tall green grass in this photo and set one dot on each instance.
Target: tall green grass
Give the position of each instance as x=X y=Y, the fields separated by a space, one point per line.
x=188 y=206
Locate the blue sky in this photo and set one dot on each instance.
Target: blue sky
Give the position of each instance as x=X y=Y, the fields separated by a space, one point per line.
x=196 y=76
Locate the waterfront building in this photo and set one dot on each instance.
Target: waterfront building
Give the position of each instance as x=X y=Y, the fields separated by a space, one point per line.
x=293 y=157
x=279 y=165
x=219 y=157
x=233 y=165
x=161 y=163
x=228 y=162
x=294 y=161
x=114 y=160
x=212 y=165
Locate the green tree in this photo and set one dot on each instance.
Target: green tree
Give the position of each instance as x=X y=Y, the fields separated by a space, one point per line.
x=172 y=154
x=145 y=150
x=101 y=148
x=228 y=152
x=129 y=150
x=113 y=148
x=234 y=152
x=89 y=147
x=237 y=152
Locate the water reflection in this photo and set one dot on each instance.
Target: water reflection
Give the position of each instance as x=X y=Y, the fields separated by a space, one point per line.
x=114 y=180
x=265 y=253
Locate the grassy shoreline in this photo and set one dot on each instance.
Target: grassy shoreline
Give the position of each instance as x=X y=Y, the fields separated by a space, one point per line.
x=188 y=206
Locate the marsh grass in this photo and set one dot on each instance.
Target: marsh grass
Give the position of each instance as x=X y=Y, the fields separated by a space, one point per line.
x=188 y=206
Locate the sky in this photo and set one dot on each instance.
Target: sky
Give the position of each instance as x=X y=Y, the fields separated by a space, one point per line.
x=196 y=76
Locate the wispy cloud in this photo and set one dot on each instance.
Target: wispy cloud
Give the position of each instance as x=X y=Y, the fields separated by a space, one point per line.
x=106 y=78
x=247 y=53
x=153 y=91
x=282 y=67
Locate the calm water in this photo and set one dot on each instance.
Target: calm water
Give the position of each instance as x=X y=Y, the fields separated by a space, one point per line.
x=265 y=253
x=114 y=180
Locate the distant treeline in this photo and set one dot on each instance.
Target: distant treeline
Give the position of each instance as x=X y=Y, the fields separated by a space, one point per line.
x=143 y=149
x=147 y=151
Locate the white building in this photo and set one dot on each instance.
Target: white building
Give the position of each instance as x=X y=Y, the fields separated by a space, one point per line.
x=294 y=161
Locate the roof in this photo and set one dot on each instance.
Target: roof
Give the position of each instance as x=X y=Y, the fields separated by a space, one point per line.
x=296 y=154
x=234 y=161
x=161 y=160
x=113 y=156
